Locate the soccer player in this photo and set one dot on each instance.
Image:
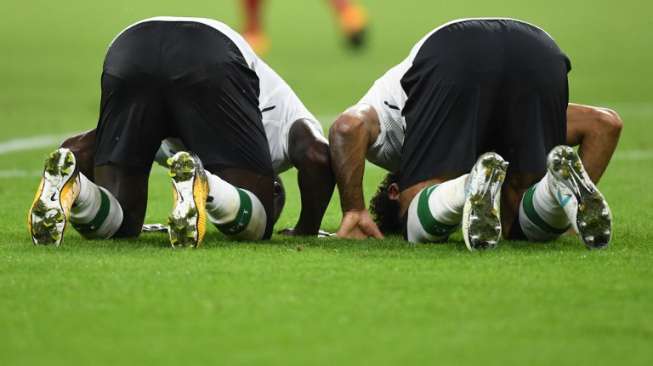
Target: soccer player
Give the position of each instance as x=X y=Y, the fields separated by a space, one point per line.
x=198 y=81
x=352 y=18
x=472 y=97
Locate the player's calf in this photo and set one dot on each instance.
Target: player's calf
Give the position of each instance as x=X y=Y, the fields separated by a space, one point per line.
x=96 y=214
x=436 y=211
x=472 y=199
x=236 y=212
x=565 y=197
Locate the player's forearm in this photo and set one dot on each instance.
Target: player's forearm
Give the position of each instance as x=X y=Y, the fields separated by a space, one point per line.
x=596 y=131
x=309 y=153
x=316 y=186
x=348 y=142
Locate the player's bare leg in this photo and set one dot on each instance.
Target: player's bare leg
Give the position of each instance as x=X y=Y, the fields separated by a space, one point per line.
x=129 y=186
x=253 y=26
x=435 y=210
x=83 y=147
x=471 y=200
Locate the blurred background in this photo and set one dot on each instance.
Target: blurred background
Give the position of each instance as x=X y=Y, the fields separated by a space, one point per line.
x=51 y=52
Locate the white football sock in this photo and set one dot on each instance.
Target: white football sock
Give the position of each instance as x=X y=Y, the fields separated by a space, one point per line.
x=96 y=213
x=541 y=216
x=236 y=212
x=436 y=211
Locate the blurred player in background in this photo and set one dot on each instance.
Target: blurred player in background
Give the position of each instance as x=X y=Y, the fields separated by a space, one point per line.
x=352 y=18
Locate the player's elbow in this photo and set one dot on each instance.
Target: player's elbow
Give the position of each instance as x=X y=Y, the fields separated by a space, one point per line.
x=317 y=153
x=609 y=122
x=312 y=155
x=345 y=127
x=307 y=149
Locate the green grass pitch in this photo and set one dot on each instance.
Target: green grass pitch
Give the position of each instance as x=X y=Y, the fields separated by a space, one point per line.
x=309 y=301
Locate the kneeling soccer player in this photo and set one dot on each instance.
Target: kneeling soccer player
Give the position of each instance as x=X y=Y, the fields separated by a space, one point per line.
x=470 y=94
x=198 y=81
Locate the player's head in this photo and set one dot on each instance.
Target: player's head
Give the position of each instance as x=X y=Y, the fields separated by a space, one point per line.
x=384 y=205
x=279 y=197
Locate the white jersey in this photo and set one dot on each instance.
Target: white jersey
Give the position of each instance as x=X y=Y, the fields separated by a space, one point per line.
x=388 y=99
x=278 y=103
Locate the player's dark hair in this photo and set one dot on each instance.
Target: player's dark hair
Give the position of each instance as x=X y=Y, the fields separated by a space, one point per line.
x=384 y=210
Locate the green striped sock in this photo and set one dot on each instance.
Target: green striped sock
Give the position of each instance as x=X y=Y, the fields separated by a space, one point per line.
x=243 y=216
x=429 y=223
x=541 y=217
x=104 y=222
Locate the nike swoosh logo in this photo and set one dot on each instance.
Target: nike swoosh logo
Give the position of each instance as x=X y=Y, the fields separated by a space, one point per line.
x=391 y=106
x=53 y=198
x=563 y=200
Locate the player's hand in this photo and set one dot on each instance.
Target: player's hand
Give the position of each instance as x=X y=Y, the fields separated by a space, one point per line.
x=358 y=224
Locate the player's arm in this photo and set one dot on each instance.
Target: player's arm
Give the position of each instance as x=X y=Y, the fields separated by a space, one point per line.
x=596 y=130
x=310 y=155
x=83 y=146
x=350 y=137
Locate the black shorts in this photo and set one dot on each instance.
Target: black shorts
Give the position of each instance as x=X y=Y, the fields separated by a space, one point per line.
x=180 y=79
x=483 y=85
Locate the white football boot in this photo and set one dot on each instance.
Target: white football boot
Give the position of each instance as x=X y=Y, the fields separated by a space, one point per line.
x=58 y=190
x=481 y=222
x=584 y=205
x=187 y=222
